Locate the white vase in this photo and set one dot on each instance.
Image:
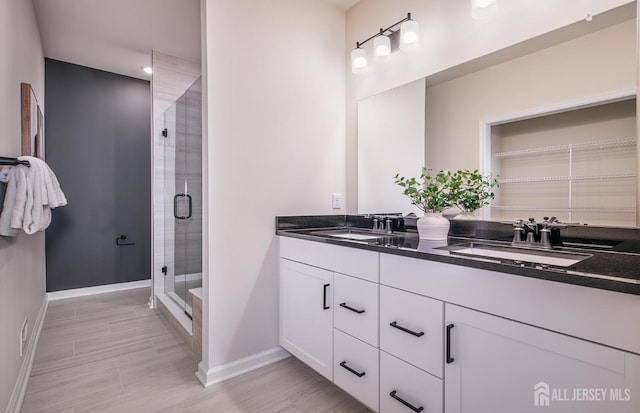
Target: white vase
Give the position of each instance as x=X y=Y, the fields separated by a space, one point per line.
x=472 y=215
x=433 y=227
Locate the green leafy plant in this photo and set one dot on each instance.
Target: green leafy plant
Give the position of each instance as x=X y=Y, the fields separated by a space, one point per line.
x=430 y=193
x=472 y=190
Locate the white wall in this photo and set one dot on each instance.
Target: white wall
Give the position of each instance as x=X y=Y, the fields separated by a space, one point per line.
x=22 y=265
x=449 y=36
x=274 y=142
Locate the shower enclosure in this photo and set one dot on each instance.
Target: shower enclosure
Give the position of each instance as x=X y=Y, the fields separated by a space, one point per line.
x=182 y=196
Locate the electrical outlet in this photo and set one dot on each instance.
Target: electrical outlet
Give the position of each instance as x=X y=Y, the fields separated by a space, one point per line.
x=336 y=201
x=24 y=333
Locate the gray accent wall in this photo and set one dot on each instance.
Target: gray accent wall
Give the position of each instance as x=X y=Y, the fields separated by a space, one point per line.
x=98 y=141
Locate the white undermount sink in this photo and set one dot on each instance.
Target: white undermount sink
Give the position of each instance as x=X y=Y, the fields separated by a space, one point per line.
x=351 y=234
x=356 y=236
x=555 y=258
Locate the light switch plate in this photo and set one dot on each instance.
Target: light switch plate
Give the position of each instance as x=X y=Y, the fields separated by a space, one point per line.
x=336 y=201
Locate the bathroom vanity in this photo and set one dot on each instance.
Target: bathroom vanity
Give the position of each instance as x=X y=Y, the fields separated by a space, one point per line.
x=406 y=326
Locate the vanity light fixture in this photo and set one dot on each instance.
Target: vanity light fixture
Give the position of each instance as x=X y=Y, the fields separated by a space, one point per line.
x=381 y=48
x=481 y=9
x=147 y=70
x=359 y=60
x=407 y=37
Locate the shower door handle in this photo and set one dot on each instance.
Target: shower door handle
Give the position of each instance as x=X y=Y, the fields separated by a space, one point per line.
x=175 y=206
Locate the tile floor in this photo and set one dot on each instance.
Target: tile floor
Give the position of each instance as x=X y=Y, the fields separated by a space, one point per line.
x=111 y=353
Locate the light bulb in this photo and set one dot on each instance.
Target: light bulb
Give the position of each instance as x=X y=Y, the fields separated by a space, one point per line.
x=409 y=35
x=381 y=48
x=147 y=70
x=359 y=62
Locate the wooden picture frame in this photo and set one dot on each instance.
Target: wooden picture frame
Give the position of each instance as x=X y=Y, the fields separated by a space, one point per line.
x=32 y=123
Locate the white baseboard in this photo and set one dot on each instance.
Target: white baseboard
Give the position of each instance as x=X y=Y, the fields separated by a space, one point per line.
x=227 y=371
x=100 y=289
x=15 y=402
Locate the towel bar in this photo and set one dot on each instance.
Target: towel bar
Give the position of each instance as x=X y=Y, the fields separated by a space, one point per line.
x=13 y=161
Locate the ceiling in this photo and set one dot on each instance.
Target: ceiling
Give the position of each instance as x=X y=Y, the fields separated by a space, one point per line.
x=118 y=35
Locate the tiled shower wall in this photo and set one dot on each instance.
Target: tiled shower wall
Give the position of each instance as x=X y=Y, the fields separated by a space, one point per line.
x=172 y=76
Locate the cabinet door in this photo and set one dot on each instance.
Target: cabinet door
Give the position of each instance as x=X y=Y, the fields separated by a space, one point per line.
x=498 y=365
x=306 y=319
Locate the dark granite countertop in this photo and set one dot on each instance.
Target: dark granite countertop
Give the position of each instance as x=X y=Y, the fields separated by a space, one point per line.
x=613 y=261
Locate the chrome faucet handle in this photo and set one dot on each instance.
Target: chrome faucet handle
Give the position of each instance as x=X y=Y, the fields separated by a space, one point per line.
x=518 y=230
x=545 y=236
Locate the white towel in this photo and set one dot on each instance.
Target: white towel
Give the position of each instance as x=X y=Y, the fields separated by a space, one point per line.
x=17 y=214
x=4 y=174
x=52 y=193
x=37 y=213
x=8 y=175
x=37 y=191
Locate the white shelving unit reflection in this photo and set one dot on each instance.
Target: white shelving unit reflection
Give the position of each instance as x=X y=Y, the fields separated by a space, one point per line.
x=570 y=149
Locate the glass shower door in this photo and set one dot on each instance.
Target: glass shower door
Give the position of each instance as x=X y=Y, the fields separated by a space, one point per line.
x=183 y=197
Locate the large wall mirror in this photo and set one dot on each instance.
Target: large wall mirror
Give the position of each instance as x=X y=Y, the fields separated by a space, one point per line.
x=554 y=116
x=391 y=140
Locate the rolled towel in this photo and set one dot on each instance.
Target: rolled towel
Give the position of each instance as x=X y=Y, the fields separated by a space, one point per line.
x=20 y=201
x=4 y=174
x=31 y=194
x=52 y=193
x=9 y=201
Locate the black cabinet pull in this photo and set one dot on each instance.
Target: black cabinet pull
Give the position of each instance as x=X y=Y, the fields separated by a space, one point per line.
x=394 y=324
x=406 y=403
x=449 y=358
x=344 y=305
x=324 y=297
x=344 y=365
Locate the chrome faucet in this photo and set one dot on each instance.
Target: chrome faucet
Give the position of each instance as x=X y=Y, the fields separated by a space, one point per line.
x=545 y=234
x=384 y=224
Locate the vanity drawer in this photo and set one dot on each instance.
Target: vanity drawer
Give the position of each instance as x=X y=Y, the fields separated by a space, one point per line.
x=401 y=382
x=355 y=368
x=411 y=328
x=352 y=261
x=355 y=307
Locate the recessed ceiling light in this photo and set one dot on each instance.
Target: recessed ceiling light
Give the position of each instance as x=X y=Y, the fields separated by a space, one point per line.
x=147 y=70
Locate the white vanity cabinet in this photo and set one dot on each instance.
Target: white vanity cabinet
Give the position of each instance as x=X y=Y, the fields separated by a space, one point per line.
x=306 y=319
x=405 y=334
x=498 y=365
